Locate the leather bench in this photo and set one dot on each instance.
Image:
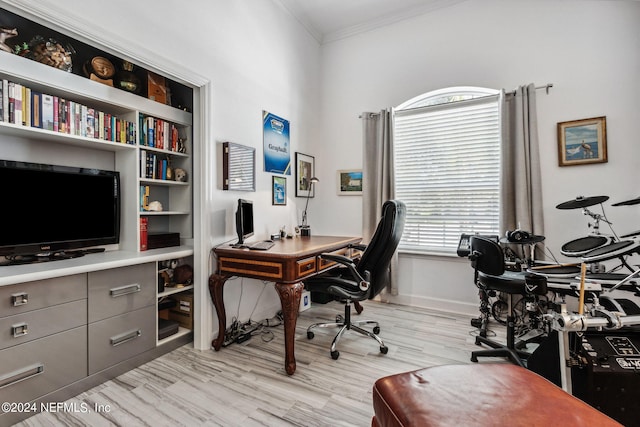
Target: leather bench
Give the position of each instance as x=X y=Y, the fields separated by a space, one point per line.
x=478 y=395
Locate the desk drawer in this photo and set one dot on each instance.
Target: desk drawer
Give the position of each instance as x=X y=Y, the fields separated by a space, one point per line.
x=119 y=338
x=119 y=290
x=32 y=325
x=306 y=266
x=23 y=297
x=268 y=270
x=41 y=366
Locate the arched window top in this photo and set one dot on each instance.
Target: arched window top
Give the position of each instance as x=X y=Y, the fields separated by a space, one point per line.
x=446 y=95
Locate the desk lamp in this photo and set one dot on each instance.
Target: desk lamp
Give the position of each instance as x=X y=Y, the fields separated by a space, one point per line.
x=305 y=230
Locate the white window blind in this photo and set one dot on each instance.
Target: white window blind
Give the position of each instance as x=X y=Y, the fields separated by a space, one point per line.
x=447 y=171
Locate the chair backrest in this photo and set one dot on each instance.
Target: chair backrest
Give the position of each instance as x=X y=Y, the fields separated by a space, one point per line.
x=487 y=256
x=376 y=258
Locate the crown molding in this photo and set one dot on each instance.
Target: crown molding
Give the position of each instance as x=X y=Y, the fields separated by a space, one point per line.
x=390 y=19
x=291 y=8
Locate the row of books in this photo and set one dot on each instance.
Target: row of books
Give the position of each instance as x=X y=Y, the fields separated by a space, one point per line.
x=23 y=106
x=159 y=134
x=154 y=166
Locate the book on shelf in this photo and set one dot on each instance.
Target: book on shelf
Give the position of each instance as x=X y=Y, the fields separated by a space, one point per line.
x=36 y=109
x=144 y=198
x=56 y=113
x=26 y=106
x=47 y=112
x=17 y=110
x=144 y=222
x=5 y=100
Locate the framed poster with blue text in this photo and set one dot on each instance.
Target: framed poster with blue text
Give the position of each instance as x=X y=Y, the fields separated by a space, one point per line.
x=277 y=155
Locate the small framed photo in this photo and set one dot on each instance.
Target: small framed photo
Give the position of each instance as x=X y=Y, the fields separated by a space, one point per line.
x=582 y=142
x=305 y=170
x=350 y=182
x=279 y=191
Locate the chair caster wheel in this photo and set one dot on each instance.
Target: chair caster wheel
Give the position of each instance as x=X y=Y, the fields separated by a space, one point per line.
x=376 y=330
x=335 y=355
x=384 y=350
x=474 y=359
x=310 y=335
x=339 y=318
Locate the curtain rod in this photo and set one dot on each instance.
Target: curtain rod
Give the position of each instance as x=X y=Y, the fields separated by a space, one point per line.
x=545 y=87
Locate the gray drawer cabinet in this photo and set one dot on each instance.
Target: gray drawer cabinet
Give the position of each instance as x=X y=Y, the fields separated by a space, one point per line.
x=29 y=296
x=120 y=290
x=43 y=365
x=29 y=326
x=121 y=337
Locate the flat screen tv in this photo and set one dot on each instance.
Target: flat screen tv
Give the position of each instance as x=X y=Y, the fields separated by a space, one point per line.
x=50 y=209
x=244 y=220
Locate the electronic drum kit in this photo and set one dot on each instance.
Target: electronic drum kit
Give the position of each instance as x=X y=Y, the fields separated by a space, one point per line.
x=595 y=248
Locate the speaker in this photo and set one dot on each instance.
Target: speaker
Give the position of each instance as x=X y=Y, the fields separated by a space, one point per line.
x=606 y=373
x=610 y=382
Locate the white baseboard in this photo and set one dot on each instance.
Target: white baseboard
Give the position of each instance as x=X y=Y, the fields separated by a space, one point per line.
x=438 y=304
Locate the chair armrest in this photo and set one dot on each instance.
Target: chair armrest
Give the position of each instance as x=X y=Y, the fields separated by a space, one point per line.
x=347 y=262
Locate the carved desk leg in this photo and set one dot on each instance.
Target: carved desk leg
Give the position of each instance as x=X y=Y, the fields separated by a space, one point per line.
x=216 y=286
x=290 y=302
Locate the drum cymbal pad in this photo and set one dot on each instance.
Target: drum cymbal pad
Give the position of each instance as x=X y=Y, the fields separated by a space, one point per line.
x=582 y=202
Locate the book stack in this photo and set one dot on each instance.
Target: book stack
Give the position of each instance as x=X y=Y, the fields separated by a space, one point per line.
x=26 y=107
x=158 y=133
x=153 y=165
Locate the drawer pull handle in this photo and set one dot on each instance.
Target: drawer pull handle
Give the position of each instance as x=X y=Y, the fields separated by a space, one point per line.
x=125 y=337
x=124 y=290
x=20 y=330
x=21 y=374
x=19 y=299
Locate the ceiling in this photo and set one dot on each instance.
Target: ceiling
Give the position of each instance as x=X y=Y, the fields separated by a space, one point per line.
x=330 y=20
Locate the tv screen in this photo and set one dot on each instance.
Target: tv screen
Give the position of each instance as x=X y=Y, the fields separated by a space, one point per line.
x=244 y=220
x=51 y=208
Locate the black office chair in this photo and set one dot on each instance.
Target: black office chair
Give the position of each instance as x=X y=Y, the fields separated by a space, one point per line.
x=487 y=260
x=351 y=282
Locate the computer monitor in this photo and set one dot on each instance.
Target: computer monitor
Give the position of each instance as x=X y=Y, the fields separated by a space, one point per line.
x=244 y=220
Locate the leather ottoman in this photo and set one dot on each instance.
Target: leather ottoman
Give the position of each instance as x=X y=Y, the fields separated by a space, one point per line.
x=478 y=395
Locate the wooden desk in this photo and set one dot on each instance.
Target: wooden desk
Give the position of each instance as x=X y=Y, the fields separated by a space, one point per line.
x=287 y=263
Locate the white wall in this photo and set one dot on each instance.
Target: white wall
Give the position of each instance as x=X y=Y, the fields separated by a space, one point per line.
x=589 y=50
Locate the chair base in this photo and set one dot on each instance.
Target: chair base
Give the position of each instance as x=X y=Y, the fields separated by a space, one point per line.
x=517 y=357
x=345 y=323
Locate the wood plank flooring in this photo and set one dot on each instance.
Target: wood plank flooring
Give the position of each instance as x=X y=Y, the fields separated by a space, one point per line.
x=246 y=385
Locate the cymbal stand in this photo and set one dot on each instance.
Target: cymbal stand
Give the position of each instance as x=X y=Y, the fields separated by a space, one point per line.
x=596 y=220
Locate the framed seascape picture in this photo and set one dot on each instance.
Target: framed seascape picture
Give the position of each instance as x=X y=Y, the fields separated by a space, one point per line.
x=305 y=170
x=582 y=141
x=350 y=182
x=279 y=191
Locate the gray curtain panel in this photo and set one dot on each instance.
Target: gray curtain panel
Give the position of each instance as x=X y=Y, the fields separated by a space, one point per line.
x=521 y=193
x=377 y=177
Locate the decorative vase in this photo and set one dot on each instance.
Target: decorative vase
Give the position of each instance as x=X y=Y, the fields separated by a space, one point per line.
x=126 y=79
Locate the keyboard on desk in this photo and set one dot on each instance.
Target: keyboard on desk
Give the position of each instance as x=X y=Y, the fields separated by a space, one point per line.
x=261 y=246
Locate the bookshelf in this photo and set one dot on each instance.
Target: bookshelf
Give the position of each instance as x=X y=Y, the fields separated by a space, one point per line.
x=34 y=144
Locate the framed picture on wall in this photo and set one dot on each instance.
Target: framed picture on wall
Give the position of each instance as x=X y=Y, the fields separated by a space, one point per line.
x=350 y=182
x=279 y=191
x=305 y=170
x=582 y=141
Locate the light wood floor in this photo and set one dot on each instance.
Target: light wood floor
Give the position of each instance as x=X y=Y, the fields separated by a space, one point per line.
x=245 y=384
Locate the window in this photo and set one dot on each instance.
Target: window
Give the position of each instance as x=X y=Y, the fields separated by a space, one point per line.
x=447 y=166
